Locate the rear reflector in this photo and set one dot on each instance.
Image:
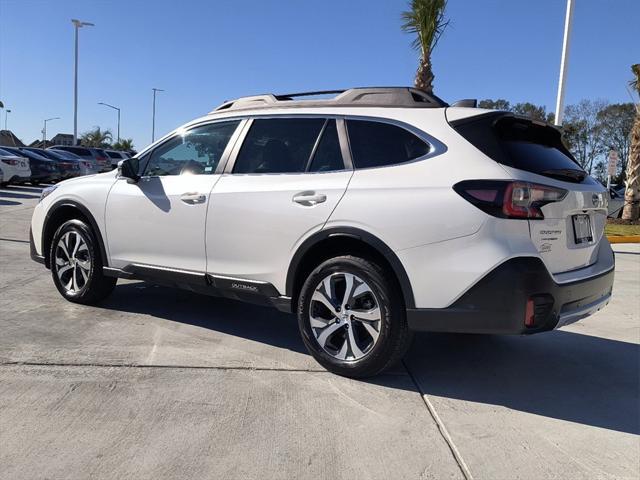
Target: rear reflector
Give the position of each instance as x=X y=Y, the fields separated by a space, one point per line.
x=530 y=314
x=508 y=199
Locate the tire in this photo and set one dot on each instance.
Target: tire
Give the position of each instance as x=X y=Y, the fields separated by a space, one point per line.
x=76 y=264
x=330 y=335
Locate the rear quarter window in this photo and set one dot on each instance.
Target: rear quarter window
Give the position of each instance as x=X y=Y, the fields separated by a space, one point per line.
x=378 y=144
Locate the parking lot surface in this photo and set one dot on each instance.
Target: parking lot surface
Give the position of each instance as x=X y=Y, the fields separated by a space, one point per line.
x=159 y=383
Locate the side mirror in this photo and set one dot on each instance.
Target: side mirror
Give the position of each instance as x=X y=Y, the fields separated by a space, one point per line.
x=129 y=169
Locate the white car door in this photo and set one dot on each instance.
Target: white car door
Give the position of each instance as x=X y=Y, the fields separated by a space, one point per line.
x=160 y=220
x=281 y=184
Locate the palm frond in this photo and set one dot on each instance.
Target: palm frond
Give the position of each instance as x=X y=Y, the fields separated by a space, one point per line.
x=425 y=19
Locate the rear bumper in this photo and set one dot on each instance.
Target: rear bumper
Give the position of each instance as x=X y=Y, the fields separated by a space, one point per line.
x=497 y=303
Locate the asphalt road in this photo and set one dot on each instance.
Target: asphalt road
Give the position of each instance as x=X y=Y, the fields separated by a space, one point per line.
x=156 y=383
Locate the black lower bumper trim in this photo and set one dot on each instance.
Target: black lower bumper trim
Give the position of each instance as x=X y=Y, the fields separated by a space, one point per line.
x=497 y=303
x=32 y=250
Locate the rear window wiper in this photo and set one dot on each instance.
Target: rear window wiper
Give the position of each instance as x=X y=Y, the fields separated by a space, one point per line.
x=566 y=174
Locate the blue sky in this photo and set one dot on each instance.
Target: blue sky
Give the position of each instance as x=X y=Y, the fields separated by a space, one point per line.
x=204 y=52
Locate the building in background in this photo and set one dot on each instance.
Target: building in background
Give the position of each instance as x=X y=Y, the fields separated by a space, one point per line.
x=8 y=139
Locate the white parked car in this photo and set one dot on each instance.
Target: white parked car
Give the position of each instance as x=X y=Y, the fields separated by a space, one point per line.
x=116 y=156
x=370 y=215
x=15 y=168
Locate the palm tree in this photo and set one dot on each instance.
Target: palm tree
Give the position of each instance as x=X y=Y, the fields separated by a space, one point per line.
x=97 y=138
x=125 y=145
x=631 y=209
x=425 y=19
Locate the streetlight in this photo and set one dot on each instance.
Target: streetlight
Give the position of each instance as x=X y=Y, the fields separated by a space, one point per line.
x=115 y=108
x=44 y=131
x=563 y=63
x=153 y=121
x=6 y=112
x=78 y=25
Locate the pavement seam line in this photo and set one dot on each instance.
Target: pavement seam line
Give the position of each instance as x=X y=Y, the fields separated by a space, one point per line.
x=13 y=240
x=457 y=456
x=177 y=367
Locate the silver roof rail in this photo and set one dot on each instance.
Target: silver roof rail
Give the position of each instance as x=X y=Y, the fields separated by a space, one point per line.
x=406 y=97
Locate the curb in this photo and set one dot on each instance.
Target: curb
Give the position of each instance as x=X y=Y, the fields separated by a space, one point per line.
x=624 y=239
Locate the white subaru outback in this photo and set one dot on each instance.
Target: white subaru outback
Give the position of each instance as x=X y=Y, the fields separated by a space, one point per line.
x=372 y=214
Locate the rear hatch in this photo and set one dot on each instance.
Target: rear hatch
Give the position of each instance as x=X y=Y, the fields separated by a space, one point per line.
x=568 y=235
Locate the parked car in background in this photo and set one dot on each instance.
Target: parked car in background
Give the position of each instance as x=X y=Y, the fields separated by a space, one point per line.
x=43 y=170
x=15 y=167
x=98 y=157
x=69 y=167
x=116 y=156
x=85 y=166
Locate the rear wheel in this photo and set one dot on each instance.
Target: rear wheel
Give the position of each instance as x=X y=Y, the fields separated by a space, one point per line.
x=352 y=318
x=76 y=264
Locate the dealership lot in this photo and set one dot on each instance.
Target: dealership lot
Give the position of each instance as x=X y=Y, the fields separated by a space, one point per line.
x=157 y=383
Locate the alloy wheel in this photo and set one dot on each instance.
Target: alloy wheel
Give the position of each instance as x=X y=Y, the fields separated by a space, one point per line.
x=72 y=261
x=345 y=316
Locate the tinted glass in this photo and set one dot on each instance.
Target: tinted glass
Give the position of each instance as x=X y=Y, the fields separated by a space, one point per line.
x=196 y=152
x=280 y=145
x=328 y=156
x=376 y=144
x=521 y=144
x=83 y=152
x=114 y=154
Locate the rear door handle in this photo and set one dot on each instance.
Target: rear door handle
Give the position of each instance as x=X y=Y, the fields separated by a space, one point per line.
x=309 y=199
x=192 y=198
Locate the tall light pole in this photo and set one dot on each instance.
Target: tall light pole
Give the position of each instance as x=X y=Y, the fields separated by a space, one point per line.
x=115 y=108
x=6 y=112
x=44 y=131
x=153 y=120
x=78 y=25
x=563 y=63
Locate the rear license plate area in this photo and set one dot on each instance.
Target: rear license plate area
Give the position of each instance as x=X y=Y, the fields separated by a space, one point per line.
x=582 y=229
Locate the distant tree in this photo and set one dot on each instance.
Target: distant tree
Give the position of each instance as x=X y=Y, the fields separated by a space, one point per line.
x=616 y=122
x=125 y=145
x=499 y=104
x=631 y=209
x=535 y=112
x=97 y=138
x=583 y=132
x=425 y=19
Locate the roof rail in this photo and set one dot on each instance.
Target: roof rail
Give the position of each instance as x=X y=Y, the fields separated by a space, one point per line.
x=406 y=97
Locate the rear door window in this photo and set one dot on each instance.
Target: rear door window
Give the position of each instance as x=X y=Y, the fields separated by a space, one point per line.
x=378 y=144
x=278 y=145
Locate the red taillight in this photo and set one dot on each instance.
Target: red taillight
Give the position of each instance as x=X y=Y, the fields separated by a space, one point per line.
x=530 y=314
x=508 y=199
x=10 y=161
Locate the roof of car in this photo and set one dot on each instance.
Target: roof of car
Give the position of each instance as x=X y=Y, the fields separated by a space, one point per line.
x=398 y=97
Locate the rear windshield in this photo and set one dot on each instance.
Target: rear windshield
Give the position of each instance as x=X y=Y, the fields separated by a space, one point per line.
x=522 y=144
x=83 y=152
x=113 y=154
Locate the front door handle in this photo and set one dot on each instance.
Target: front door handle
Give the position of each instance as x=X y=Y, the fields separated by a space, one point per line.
x=192 y=198
x=309 y=199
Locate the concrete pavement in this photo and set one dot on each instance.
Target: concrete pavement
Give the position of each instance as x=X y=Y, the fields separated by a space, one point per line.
x=157 y=383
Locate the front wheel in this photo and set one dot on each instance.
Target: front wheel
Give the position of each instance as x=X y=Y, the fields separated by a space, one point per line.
x=76 y=264
x=351 y=318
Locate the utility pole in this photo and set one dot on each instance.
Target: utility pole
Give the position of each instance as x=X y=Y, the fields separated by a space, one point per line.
x=78 y=25
x=563 y=63
x=6 y=112
x=153 y=119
